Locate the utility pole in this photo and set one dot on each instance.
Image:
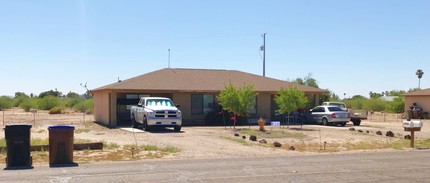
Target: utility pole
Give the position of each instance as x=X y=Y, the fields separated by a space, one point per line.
x=169 y=59
x=263 y=48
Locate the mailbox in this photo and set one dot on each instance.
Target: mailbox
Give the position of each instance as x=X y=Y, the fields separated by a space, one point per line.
x=412 y=125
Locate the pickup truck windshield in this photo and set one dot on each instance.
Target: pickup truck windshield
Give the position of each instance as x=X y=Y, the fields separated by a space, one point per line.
x=159 y=102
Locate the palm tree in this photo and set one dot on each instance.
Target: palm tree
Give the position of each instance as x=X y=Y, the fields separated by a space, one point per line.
x=420 y=74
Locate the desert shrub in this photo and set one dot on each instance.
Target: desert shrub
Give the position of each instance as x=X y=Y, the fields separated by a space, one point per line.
x=89 y=111
x=28 y=104
x=5 y=102
x=17 y=101
x=397 y=105
x=85 y=105
x=375 y=105
x=56 y=110
x=72 y=101
x=49 y=102
x=356 y=103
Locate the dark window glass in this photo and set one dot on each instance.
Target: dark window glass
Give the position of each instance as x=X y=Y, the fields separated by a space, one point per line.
x=196 y=104
x=334 y=109
x=201 y=104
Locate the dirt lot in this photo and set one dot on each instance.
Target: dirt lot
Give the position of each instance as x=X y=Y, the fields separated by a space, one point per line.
x=218 y=142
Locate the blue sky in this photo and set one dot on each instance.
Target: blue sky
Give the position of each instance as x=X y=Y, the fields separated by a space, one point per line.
x=351 y=47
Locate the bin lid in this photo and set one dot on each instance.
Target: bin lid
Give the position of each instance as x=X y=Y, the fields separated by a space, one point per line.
x=15 y=125
x=61 y=127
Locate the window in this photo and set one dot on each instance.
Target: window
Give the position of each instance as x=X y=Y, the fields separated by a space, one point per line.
x=131 y=96
x=254 y=108
x=201 y=104
x=135 y=96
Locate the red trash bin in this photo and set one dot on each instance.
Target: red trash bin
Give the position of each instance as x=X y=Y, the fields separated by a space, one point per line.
x=61 y=144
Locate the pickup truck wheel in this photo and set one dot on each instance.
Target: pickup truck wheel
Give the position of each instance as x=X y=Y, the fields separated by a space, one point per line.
x=145 y=125
x=356 y=122
x=325 y=121
x=177 y=128
x=133 y=122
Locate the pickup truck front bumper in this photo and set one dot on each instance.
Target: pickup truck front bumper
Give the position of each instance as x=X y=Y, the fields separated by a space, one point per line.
x=166 y=122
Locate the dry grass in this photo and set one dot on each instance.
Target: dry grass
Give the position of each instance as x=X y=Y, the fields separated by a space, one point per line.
x=111 y=152
x=239 y=140
x=82 y=130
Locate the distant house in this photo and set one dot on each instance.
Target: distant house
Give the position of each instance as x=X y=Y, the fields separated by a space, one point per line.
x=388 y=98
x=195 y=90
x=421 y=97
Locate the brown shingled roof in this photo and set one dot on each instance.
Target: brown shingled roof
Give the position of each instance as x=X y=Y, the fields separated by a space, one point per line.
x=202 y=80
x=424 y=92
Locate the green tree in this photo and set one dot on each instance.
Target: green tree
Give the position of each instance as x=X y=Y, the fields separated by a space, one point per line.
x=72 y=95
x=20 y=94
x=237 y=100
x=50 y=93
x=397 y=105
x=5 y=102
x=290 y=100
x=18 y=99
x=374 y=95
x=356 y=102
x=299 y=81
x=375 y=105
x=72 y=101
x=396 y=92
x=28 y=103
x=307 y=80
x=325 y=97
x=310 y=81
x=84 y=105
x=49 y=102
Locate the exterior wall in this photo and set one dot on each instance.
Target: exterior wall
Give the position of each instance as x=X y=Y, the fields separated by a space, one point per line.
x=184 y=100
x=264 y=105
x=422 y=101
x=105 y=105
x=101 y=107
x=113 y=108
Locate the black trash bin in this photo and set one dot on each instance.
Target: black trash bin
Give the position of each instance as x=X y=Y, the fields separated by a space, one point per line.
x=18 y=145
x=61 y=144
x=410 y=115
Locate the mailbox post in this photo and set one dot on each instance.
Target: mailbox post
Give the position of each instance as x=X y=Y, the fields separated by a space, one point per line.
x=412 y=126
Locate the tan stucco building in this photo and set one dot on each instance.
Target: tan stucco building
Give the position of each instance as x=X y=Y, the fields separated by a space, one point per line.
x=195 y=90
x=421 y=97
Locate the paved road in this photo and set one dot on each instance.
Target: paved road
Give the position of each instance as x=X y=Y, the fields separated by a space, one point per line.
x=398 y=166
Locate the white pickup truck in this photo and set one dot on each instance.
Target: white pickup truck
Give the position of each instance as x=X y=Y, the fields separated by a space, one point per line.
x=156 y=111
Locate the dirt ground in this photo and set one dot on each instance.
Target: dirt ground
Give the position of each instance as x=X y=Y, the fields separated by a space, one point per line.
x=218 y=142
